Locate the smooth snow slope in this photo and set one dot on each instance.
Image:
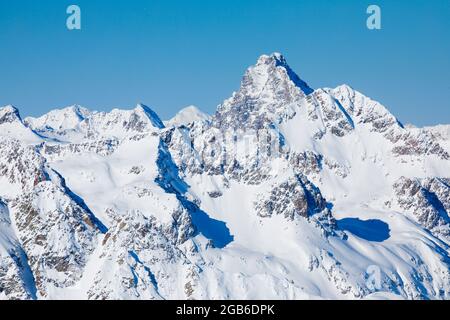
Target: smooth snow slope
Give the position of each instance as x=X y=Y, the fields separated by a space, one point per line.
x=186 y=116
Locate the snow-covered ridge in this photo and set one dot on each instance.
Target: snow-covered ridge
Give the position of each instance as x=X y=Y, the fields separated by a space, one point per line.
x=76 y=123
x=286 y=192
x=58 y=120
x=440 y=131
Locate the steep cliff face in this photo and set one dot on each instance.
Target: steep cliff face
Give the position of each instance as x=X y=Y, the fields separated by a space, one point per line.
x=286 y=192
x=16 y=279
x=428 y=200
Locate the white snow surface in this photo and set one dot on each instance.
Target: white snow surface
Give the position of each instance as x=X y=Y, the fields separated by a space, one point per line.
x=187 y=115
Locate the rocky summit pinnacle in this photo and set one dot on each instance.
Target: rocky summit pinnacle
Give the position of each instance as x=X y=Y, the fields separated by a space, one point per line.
x=9 y=113
x=266 y=89
x=284 y=193
x=154 y=118
x=279 y=61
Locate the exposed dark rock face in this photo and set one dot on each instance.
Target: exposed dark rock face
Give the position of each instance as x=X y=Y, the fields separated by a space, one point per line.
x=266 y=90
x=147 y=254
x=21 y=164
x=416 y=144
x=428 y=200
x=296 y=197
x=9 y=114
x=16 y=279
x=57 y=235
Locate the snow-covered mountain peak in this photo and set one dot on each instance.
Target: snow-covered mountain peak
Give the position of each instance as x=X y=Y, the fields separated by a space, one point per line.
x=345 y=88
x=59 y=119
x=441 y=131
x=275 y=66
x=275 y=57
x=269 y=90
x=9 y=114
x=75 y=123
x=12 y=126
x=362 y=109
x=187 y=115
x=152 y=115
x=120 y=123
x=79 y=111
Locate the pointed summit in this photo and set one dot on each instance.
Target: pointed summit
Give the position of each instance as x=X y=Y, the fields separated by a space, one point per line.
x=67 y=118
x=274 y=59
x=152 y=115
x=79 y=111
x=277 y=60
x=268 y=90
x=187 y=115
x=12 y=126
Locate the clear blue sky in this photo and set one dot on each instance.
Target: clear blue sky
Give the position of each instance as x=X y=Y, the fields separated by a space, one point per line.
x=169 y=54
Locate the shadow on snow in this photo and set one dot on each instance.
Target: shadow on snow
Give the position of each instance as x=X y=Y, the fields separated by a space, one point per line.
x=371 y=230
x=169 y=179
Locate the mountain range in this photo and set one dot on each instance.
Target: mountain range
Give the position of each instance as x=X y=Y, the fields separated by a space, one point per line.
x=285 y=192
